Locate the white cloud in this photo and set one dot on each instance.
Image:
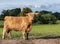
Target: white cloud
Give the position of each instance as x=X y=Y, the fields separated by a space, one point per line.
x=37 y=6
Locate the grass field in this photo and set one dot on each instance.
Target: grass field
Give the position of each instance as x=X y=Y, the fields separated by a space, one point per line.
x=45 y=30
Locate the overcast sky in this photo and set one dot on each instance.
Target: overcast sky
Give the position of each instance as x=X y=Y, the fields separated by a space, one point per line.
x=6 y=4
x=23 y=2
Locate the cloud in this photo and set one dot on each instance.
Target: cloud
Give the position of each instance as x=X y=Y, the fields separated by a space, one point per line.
x=37 y=6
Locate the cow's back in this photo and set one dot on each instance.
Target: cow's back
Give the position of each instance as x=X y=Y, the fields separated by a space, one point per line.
x=16 y=23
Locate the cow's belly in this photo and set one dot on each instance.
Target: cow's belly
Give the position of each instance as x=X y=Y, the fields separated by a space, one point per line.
x=14 y=27
x=17 y=27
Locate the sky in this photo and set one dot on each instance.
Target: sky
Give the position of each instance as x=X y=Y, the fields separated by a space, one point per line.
x=10 y=4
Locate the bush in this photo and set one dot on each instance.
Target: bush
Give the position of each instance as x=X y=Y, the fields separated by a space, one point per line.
x=53 y=19
x=48 y=18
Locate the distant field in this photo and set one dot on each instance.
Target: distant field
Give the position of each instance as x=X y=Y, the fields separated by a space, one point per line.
x=47 y=30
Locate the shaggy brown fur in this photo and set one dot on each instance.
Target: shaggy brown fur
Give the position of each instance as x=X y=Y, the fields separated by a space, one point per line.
x=23 y=24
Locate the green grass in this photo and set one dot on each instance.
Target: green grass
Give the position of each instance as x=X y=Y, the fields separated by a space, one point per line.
x=47 y=30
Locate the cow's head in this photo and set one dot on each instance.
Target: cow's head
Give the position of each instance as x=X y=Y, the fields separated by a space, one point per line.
x=32 y=15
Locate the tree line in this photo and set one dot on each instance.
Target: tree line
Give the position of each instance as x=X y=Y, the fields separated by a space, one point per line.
x=44 y=17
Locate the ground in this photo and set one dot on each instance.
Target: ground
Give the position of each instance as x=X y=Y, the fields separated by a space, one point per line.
x=31 y=41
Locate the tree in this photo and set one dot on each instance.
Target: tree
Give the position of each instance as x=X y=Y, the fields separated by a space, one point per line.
x=36 y=11
x=4 y=13
x=12 y=12
x=25 y=10
x=57 y=15
x=48 y=18
x=45 y=12
x=53 y=19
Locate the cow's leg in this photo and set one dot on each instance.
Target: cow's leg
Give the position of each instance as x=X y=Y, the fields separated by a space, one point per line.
x=4 y=32
x=23 y=34
x=27 y=35
x=27 y=31
x=9 y=33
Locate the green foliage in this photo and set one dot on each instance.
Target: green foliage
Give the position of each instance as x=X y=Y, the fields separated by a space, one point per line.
x=48 y=18
x=53 y=19
x=45 y=19
x=13 y=12
x=45 y=12
x=57 y=15
x=25 y=10
x=4 y=13
x=36 y=11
